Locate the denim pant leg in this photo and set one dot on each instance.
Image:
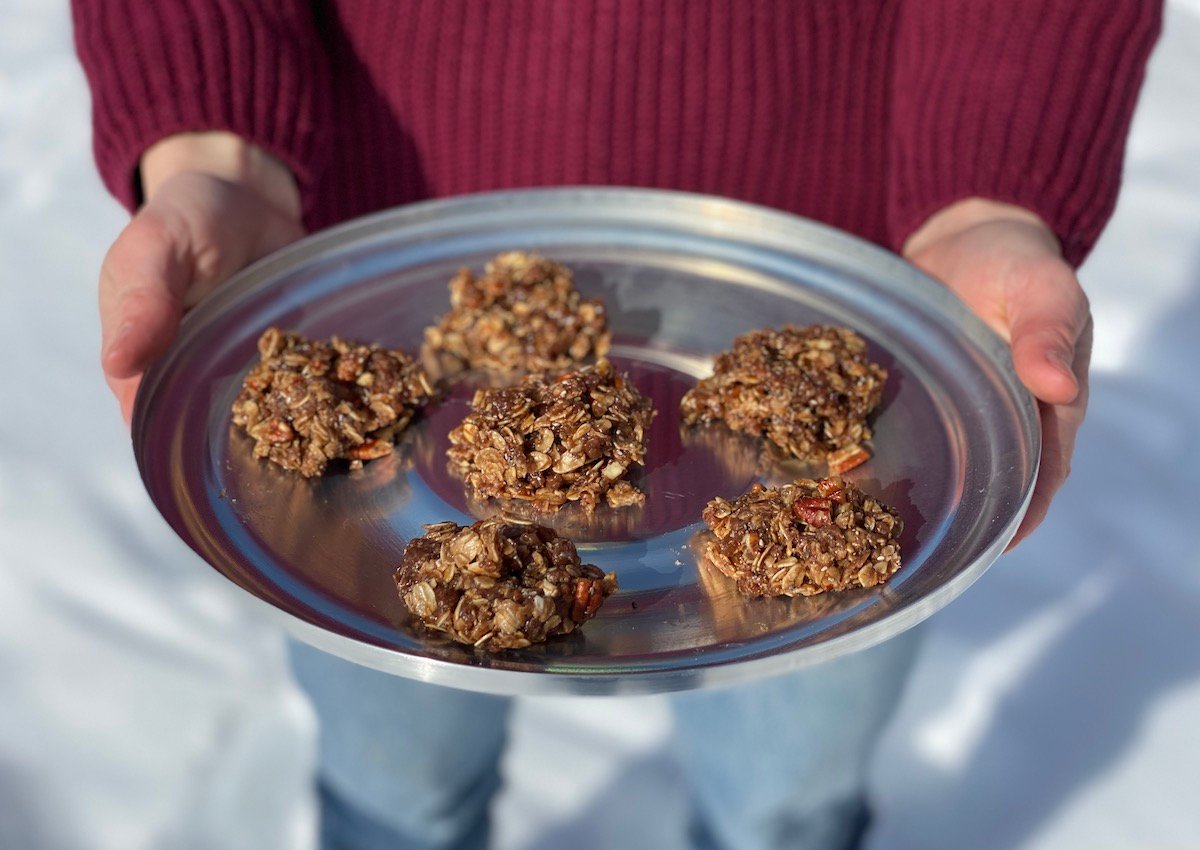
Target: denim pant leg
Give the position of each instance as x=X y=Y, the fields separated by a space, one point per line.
x=404 y=765
x=781 y=763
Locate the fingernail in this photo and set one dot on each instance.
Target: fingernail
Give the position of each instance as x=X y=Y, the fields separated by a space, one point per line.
x=1059 y=361
x=1058 y=358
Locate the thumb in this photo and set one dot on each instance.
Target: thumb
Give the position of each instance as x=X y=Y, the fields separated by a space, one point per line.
x=142 y=283
x=1047 y=319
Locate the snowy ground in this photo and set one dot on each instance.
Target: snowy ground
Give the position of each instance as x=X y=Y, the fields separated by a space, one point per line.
x=142 y=706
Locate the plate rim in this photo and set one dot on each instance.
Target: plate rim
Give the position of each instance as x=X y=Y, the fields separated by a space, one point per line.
x=719 y=215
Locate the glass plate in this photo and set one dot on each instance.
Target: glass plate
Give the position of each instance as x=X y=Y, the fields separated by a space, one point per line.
x=955 y=450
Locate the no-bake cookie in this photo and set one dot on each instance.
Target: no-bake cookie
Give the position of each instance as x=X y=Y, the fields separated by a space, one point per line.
x=308 y=402
x=552 y=440
x=808 y=390
x=522 y=315
x=804 y=538
x=499 y=584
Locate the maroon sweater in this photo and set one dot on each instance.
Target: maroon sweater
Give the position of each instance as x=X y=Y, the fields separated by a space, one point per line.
x=866 y=114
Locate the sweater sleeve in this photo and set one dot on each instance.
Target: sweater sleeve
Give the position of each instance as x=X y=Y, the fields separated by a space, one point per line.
x=1022 y=101
x=257 y=69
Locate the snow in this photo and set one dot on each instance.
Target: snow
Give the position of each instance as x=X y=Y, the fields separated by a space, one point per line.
x=144 y=706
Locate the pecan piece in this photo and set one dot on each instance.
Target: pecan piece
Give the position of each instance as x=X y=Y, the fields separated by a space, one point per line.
x=369 y=450
x=589 y=593
x=817 y=513
x=845 y=459
x=275 y=431
x=831 y=489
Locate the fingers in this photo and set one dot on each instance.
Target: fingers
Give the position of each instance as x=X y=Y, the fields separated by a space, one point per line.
x=1048 y=315
x=194 y=233
x=1060 y=427
x=1009 y=271
x=1052 y=472
x=142 y=282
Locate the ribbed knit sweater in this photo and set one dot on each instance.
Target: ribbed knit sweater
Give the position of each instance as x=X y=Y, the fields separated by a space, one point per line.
x=866 y=114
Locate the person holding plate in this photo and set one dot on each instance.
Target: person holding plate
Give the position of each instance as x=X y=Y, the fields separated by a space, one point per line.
x=981 y=141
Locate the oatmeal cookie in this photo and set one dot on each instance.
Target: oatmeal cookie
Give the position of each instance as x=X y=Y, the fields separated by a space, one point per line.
x=808 y=390
x=804 y=538
x=499 y=584
x=308 y=402
x=523 y=315
x=549 y=441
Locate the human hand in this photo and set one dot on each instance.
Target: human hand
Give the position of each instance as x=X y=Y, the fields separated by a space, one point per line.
x=1006 y=265
x=214 y=204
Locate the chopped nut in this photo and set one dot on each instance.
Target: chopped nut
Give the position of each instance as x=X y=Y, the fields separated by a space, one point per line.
x=499 y=584
x=369 y=450
x=273 y=431
x=589 y=593
x=844 y=460
x=807 y=390
x=537 y=442
x=831 y=488
x=613 y=471
x=800 y=540
x=308 y=402
x=813 y=512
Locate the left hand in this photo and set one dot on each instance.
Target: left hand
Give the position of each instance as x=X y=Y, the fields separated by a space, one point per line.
x=1006 y=265
x=214 y=204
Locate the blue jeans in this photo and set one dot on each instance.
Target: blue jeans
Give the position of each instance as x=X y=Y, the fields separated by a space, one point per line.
x=779 y=763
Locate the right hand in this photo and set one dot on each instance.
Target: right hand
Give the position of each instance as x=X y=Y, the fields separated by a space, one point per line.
x=1006 y=265
x=214 y=204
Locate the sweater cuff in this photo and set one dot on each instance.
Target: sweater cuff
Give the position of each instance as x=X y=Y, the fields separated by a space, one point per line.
x=156 y=69
x=1026 y=102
